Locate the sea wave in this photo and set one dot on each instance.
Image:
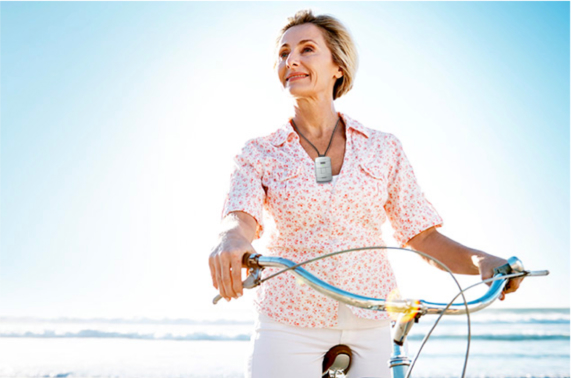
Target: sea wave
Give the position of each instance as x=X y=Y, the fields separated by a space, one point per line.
x=90 y=333
x=166 y=321
x=196 y=336
x=504 y=316
x=497 y=337
x=515 y=320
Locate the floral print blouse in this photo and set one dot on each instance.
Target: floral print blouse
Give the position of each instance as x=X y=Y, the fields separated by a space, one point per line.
x=275 y=177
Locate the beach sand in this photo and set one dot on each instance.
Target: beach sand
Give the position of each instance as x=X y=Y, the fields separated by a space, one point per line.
x=92 y=357
x=61 y=357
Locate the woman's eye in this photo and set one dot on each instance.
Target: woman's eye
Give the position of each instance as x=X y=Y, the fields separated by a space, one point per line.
x=283 y=55
x=307 y=49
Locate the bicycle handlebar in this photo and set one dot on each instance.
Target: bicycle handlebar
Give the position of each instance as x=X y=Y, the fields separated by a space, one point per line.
x=410 y=310
x=256 y=262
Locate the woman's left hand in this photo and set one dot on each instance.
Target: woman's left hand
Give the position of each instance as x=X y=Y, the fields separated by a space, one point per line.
x=487 y=263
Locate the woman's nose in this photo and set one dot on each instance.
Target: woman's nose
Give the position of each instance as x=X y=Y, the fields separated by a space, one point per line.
x=292 y=60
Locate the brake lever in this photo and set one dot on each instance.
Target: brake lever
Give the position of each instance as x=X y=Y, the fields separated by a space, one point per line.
x=253 y=280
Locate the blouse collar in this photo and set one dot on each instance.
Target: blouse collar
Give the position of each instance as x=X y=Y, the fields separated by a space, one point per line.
x=283 y=133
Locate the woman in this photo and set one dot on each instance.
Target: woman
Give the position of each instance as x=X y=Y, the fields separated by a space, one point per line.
x=318 y=209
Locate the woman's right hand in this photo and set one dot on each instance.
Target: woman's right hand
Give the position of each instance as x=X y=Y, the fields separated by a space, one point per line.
x=226 y=258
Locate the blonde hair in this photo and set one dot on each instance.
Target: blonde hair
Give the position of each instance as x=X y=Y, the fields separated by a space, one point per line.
x=338 y=40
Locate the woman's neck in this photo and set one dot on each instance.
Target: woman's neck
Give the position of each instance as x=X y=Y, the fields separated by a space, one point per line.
x=315 y=119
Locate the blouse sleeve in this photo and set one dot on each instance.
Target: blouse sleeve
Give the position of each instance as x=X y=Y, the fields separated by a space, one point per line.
x=246 y=192
x=408 y=210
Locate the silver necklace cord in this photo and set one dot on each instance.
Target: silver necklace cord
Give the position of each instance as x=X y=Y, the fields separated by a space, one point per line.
x=315 y=148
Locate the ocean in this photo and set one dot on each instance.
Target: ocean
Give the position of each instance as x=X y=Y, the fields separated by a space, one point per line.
x=513 y=343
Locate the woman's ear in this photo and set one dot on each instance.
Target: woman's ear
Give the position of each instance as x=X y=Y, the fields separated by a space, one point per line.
x=339 y=73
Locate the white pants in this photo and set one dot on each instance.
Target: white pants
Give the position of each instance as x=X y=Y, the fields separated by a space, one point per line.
x=280 y=350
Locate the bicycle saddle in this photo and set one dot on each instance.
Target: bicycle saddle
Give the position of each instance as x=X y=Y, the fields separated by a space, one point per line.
x=337 y=361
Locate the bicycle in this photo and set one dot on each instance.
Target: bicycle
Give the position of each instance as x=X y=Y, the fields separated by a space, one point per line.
x=337 y=360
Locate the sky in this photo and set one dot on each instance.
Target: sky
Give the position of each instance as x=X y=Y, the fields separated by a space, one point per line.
x=119 y=122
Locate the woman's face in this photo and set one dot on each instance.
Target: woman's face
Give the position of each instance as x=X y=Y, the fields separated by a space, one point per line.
x=305 y=64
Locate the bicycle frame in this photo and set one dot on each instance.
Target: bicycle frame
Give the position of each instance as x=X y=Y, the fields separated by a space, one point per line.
x=409 y=310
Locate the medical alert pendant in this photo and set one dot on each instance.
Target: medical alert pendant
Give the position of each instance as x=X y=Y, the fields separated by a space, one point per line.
x=323 y=169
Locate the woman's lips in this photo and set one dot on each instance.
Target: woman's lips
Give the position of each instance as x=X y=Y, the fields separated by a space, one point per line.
x=297 y=77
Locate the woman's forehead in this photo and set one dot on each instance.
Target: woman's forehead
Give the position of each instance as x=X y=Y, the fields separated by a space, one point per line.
x=299 y=33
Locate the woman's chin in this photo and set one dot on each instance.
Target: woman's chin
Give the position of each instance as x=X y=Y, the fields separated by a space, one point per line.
x=299 y=93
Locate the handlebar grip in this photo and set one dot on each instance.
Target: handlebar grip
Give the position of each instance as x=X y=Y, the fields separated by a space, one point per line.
x=504 y=269
x=513 y=265
x=247 y=284
x=245 y=259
